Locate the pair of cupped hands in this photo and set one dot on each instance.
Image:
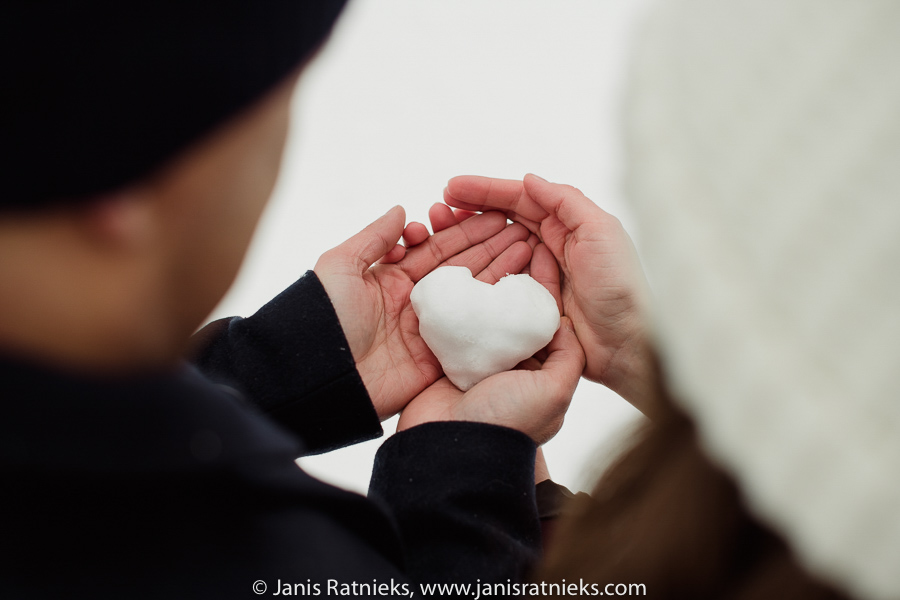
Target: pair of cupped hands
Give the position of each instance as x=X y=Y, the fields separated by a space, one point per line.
x=580 y=253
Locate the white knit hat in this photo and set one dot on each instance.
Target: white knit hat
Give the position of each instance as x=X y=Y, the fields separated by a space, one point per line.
x=764 y=165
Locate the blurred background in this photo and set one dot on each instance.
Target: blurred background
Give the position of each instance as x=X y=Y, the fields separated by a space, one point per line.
x=409 y=93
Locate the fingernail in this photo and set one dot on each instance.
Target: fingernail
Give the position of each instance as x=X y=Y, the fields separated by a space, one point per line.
x=569 y=325
x=539 y=177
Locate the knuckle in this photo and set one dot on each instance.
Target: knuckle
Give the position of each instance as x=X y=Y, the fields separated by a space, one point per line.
x=434 y=247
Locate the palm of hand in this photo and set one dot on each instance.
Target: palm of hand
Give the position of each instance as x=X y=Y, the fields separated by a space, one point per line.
x=390 y=355
x=601 y=280
x=597 y=261
x=373 y=305
x=532 y=399
x=502 y=399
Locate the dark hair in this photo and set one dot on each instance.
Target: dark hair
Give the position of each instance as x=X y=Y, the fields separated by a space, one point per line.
x=665 y=516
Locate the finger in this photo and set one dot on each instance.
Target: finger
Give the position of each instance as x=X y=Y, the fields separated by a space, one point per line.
x=533 y=363
x=533 y=225
x=462 y=215
x=511 y=260
x=556 y=234
x=372 y=243
x=545 y=270
x=567 y=203
x=441 y=217
x=551 y=388
x=532 y=241
x=414 y=234
x=529 y=364
x=395 y=254
x=478 y=257
x=564 y=364
x=425 y=257
x=471 y=192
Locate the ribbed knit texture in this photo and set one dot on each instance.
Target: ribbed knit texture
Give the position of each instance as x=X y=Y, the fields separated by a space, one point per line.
x=764 y=164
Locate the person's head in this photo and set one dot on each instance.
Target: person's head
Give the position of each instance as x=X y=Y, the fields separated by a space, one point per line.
x=143 y=145
x=763 y=140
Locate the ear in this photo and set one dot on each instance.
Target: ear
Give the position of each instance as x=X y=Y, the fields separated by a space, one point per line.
x=125 y=218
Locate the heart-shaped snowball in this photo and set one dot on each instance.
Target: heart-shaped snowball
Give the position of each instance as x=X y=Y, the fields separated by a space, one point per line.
x=476 y=329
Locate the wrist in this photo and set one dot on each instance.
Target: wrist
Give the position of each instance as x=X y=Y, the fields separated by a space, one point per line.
x=631 y=375
x=541 y=472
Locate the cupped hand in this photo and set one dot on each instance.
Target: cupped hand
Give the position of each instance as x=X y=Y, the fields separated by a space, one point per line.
x=372 y=300
x=602 y=282
x=532 y=398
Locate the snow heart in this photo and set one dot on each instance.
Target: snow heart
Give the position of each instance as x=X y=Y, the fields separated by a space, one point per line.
x=476 y=329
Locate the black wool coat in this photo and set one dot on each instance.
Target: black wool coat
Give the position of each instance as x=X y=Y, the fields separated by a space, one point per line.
x=183 y=484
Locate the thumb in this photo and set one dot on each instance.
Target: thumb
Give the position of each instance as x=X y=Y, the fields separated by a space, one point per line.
x=567 y=203
x=565 y=362
x=554 y=384
x=373 y=242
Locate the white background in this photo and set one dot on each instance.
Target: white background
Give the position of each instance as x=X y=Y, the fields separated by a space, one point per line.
x=409 y=93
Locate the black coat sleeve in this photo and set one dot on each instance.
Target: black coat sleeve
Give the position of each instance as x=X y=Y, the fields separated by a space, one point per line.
x=463 y=498
x=292 y=360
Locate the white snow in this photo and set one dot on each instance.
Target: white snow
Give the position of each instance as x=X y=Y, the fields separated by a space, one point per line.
x=476 y=329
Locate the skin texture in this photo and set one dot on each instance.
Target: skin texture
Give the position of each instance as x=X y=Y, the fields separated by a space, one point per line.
x=532 y=401
x=373 y=302
x=601 y=281
x=533 y=398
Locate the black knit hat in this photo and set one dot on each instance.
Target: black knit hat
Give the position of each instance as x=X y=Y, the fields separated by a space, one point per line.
x=94 y=95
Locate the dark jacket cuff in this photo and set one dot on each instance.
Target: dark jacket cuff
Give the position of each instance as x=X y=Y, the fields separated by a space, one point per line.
x=292 y=360
x=459 y=484
x=553 y=499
